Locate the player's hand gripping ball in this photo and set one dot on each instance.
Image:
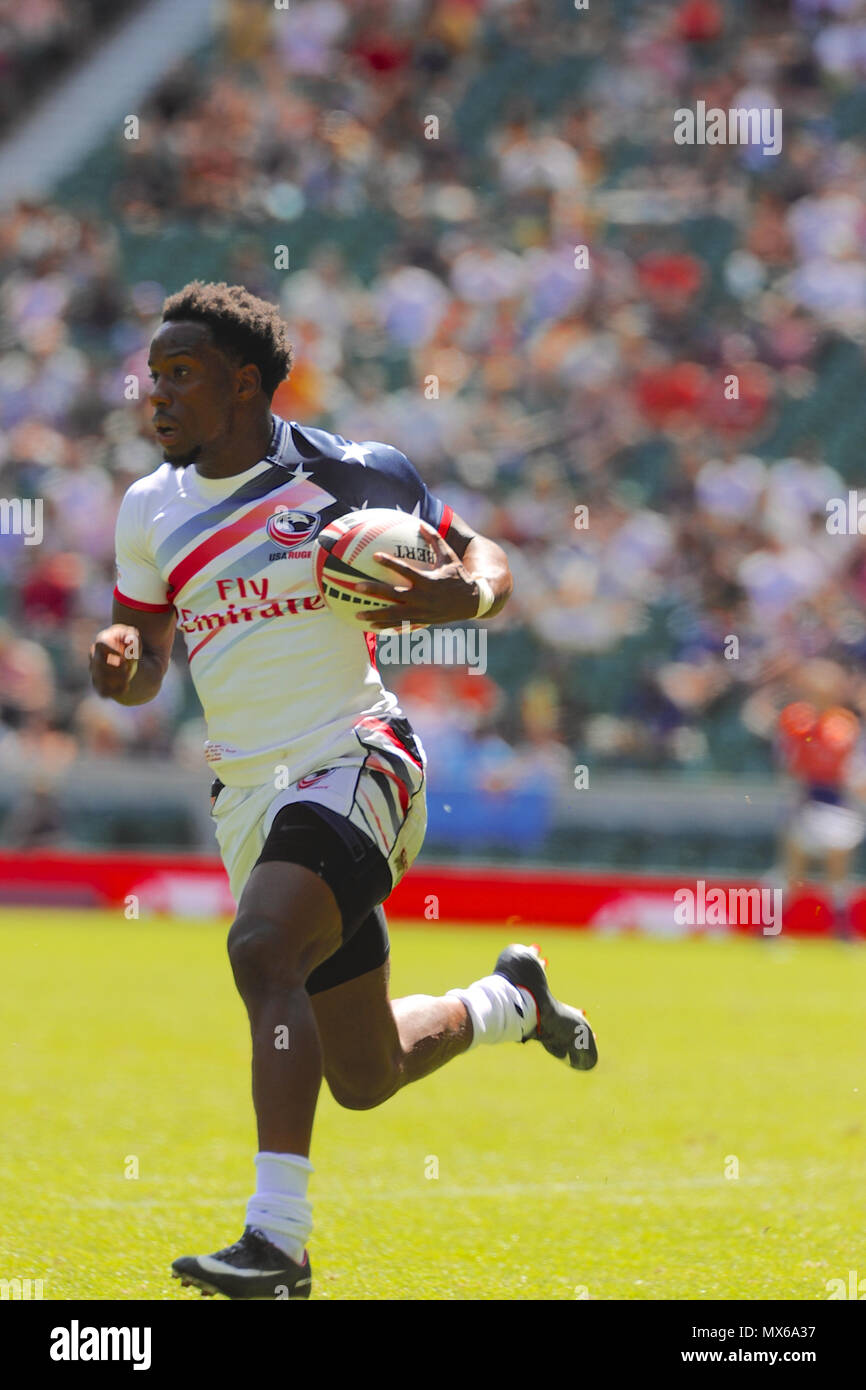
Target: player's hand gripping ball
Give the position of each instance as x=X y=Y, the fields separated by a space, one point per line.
x=344 y=557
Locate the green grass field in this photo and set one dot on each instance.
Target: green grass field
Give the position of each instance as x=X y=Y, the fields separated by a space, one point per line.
x=125 y=1039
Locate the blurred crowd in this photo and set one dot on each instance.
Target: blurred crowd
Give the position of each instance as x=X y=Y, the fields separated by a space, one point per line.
x=39 y=39
x=585 y=336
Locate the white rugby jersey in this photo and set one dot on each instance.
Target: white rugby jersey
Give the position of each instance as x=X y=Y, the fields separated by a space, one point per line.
x=282 y=681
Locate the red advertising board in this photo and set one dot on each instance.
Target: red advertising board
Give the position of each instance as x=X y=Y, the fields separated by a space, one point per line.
x=196 y=886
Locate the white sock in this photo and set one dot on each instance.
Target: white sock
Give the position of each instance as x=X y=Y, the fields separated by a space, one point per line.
x=499 y=1010
x=280 y=1208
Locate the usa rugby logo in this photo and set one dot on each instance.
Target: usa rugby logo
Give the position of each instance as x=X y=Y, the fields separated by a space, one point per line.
x=312 y=778
x=290 y=528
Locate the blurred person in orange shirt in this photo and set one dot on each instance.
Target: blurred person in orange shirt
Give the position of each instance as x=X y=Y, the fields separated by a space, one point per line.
x=818 y=741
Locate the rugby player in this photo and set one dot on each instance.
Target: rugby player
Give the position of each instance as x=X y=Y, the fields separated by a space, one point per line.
x=318 y=797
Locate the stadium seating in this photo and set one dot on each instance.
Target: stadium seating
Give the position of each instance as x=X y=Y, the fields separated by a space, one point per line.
x=550 y=137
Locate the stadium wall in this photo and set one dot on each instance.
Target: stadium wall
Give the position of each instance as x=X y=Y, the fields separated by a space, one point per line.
x=195 y=886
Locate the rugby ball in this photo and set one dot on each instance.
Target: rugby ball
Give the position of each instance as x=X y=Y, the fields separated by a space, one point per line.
x=345 y=550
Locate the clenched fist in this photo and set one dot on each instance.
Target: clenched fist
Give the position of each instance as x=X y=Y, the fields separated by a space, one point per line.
x=114 y=659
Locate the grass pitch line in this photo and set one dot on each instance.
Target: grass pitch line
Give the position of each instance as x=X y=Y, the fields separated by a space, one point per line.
x=634 y=1191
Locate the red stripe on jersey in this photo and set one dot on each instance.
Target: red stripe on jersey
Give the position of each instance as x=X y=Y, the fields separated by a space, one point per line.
x=389 y=772
x=447 y=518
x=364 y=797
x=204 y=641
x=144 y=607
x=371 y=722
x=225 y=538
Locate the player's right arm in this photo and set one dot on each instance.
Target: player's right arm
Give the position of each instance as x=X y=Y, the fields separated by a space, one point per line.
x=129 y=659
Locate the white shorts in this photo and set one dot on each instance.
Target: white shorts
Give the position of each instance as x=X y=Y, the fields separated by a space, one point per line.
x=380 y=789
x=820 y=826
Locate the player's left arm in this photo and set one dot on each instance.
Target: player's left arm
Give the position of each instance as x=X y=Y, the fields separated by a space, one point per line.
x=471 y=580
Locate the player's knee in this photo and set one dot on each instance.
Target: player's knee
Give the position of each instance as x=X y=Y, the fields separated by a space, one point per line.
x=261 y=953
x=366 y=1092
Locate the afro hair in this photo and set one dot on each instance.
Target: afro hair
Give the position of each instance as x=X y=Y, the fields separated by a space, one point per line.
x=242 y=326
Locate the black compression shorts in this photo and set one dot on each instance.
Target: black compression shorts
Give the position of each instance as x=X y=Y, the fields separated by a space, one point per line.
x=354 y=869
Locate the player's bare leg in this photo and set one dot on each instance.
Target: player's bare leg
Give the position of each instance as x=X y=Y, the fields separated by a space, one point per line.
x=372 y=1047
x=796 y=864
x=405 y=1039
x=838 y=865
x=431 y=1031
x=287 y=923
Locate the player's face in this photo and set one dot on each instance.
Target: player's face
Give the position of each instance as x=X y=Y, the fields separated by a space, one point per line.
x=191 y=392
